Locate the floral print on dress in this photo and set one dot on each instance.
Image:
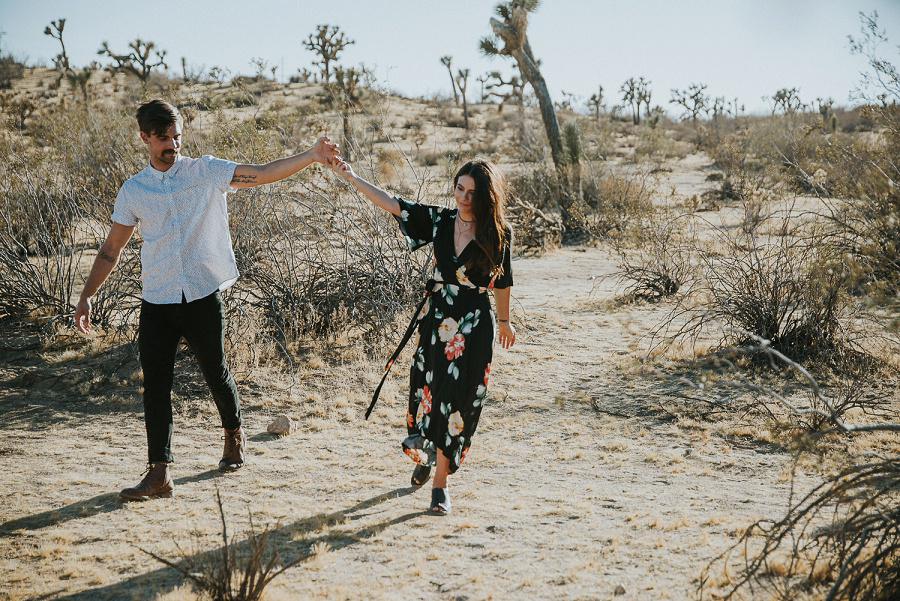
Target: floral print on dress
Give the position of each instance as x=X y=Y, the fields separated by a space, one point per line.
x=455 y=347
x=451 y=363
x=463 y=278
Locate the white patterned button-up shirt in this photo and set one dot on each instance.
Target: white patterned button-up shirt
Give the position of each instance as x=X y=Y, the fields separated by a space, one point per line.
x=183 y=218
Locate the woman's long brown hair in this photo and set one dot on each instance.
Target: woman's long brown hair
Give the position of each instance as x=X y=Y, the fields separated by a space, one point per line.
x=488 y=204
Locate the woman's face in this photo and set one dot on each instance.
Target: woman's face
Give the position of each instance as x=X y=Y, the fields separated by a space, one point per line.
x=464 y=194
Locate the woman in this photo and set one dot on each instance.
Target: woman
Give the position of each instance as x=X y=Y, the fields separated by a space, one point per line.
x=452 y=362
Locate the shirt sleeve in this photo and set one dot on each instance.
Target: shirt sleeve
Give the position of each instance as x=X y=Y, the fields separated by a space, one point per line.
x=122 y=212
x=418 y=222
x=220 y=172
x=505 y=279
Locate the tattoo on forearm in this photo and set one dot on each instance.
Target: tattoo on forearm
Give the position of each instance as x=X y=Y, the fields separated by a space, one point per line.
x=106 y=256
x=243 y=179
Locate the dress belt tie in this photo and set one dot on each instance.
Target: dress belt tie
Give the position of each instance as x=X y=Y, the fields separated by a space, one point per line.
x=429 y=289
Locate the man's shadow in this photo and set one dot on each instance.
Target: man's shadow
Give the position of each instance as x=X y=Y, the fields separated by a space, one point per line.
x=100 y=504
x=289 y=541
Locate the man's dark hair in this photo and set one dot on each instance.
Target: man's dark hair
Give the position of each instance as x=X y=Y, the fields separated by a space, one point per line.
x=156 y=116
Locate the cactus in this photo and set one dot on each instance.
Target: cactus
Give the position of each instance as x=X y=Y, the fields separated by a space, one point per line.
x=829 y=119
x=572 y=143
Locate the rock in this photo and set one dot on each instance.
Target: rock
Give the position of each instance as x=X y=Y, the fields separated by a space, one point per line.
x=620 y=590
x=282 y=426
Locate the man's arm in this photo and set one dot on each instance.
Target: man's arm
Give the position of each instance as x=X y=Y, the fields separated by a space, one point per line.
x=247 y=176
x=106 y=260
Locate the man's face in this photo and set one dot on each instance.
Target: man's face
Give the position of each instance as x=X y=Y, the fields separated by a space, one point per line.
x=164 y=147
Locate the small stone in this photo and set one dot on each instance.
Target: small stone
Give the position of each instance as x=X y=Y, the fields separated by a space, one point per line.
x=282 y=426
x=620 y=590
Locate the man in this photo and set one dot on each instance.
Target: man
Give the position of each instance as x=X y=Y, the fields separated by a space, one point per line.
x=186 y=261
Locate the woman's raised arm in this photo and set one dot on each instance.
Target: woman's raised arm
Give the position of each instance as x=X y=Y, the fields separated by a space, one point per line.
x=378 y=196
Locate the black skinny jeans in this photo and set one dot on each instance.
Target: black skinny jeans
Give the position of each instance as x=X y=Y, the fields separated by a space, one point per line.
x=202 y=324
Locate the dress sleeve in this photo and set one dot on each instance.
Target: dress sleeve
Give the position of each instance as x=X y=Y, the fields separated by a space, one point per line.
x=418 y=222
x=505 y=279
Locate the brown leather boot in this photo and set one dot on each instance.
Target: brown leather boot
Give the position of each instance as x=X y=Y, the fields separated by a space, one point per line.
x=157 y=483
x=233 y=456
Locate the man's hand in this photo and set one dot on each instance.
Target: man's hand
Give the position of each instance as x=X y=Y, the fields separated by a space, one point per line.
x=324 y=150
x=83 y=315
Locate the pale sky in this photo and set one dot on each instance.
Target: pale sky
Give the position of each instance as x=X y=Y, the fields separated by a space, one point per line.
x=739 y=48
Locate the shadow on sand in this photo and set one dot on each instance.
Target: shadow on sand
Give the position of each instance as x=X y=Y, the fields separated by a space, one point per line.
x=104 y=503
x=290 y=541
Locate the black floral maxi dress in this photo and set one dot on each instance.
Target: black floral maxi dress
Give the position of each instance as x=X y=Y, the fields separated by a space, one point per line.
x=452 y=363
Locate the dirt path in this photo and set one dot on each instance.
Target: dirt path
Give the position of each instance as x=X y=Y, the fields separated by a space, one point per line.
x=557 y=500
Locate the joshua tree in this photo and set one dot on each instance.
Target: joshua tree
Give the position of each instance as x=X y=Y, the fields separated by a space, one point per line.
x=734 y=108
x=644 y=95
x=138 y=61
x=692 y=99
x=717 y=108
x=636 y=92
x=327 y=42
x=829 y=119
x=218 y=74
x=304 y=76
x=79 y=79
x=510 y=31
x=61 y=60
x=347 y=81
x=596 y=101
x=462 y=83
x=516 y=90
x=788 y=99
x=483 y=79
x=446 y=60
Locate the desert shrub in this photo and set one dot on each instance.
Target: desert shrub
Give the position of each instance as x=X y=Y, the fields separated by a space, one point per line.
x=658 y=261
x=236 y=572
x=839 y=541
x=615 y=199
x=657 y=147
x=611 y=201
x=599 y=138
x=316 y=262
x=323 y=266
x=10 y=70
x=788 y=291
x=866 y=219
x=47 y=217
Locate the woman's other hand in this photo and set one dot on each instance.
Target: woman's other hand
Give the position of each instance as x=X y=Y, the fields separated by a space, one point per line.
x=342 y=168
x=506 y=335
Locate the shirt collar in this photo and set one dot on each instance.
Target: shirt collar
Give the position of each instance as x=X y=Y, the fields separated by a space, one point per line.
x=171 y=171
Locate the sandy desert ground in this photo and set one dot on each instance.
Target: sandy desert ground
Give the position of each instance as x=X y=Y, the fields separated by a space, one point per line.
x=580 y=484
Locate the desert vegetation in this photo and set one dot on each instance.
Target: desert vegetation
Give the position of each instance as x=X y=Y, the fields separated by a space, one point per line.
x=750 y=303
